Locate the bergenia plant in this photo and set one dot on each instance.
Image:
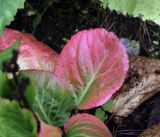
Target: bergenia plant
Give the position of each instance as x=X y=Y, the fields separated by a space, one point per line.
x=8 y=10
x=33 y=54
x=90 y=69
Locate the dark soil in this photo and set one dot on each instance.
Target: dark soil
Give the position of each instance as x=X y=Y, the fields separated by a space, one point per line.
x=145 y=116
x=63 y=18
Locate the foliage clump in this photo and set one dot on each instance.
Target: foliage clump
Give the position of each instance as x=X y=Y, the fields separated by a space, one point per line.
x=146 y=9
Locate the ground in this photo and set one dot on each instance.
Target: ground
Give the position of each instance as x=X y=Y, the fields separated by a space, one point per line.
x=59 y=20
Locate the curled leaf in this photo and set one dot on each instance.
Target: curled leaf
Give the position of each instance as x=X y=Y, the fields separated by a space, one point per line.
x=86 y=125
x=94 y=63
x=142 y=83
x=154 y=131
x=33 y=54
x=140 y=89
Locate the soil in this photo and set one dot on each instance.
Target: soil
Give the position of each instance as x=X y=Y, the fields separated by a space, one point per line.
x=61 y=19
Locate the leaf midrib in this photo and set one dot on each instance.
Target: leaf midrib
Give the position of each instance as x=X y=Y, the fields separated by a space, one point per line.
x=85 y=91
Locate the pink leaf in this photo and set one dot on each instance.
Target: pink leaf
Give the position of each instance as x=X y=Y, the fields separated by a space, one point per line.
x=86 y=125
x=33 y=54
x=49 y=131
x=94 y=64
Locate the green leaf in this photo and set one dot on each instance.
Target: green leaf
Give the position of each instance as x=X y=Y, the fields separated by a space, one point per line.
x=7 y=54
x=100 y=114
x=108 y=105
x=16 y=122
x=37 y=21
x=147 y=9
x=2 y=81
x=8 y=90
x=30 y=93
x=8 y=9
x=5 y=88
x=53 y=103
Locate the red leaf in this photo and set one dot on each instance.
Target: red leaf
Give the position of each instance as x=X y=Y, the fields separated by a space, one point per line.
x=49 y=131
x=33 y=54
x=94 y=64
x=86 y=125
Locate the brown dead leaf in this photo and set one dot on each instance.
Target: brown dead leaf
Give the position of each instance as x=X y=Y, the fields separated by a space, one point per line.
x=141 y=83
x=151 y=132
